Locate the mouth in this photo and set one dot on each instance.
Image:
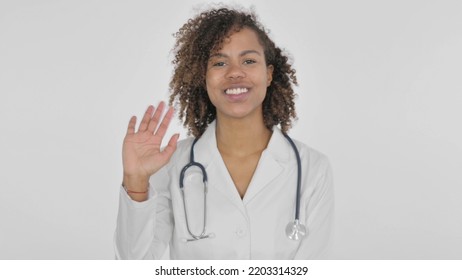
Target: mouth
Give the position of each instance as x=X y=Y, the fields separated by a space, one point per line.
x=236 y=91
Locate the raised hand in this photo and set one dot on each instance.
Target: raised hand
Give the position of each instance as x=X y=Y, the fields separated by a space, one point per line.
x=141 y=151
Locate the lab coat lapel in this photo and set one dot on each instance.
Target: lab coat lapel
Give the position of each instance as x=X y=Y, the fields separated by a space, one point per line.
x=271 y=164
x=206 y=152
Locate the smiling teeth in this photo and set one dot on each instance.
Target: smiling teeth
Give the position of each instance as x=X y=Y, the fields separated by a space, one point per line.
x=236 y=90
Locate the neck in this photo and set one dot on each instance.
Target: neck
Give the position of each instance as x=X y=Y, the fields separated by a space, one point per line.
x=241 y=137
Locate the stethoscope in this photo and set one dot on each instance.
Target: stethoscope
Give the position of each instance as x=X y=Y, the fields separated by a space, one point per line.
x=294 y=230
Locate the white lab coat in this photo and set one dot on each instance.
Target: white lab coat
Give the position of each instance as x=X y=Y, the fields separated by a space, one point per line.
x=248 y=228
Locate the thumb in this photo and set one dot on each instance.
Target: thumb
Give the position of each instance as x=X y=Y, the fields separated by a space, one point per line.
x=171 y=147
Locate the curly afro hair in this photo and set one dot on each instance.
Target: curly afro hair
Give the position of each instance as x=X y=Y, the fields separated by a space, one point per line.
x=203 y=35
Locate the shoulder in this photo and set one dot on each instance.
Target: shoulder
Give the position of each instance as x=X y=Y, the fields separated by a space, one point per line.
x=313 y=158
x=281 y=147
x=315 y=155
x=317 y=171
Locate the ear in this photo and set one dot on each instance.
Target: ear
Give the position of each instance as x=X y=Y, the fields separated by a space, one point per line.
x=269 y=74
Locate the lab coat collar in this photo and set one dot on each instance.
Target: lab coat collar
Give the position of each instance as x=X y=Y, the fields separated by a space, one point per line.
x=271 y=164
x=278 y=146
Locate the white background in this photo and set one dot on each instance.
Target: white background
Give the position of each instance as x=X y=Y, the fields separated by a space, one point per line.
x=380 y=93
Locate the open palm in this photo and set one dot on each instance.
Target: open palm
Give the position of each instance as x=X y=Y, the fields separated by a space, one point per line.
x=141 y=152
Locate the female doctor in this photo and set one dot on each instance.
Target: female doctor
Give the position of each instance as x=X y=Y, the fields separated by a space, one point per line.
x=241 y=188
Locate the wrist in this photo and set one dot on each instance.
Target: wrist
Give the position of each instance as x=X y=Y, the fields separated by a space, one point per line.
x=135 y=184
x=137 y=196
x=129 y=191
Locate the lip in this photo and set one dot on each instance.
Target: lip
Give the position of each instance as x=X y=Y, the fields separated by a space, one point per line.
x=237 y=97
x=233 y=86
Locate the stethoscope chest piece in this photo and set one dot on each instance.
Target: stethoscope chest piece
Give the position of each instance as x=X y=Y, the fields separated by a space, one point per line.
x=295 y=230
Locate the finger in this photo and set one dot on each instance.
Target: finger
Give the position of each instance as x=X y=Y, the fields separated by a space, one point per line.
x=165 y=123
x=147 y=116
x=155 y=119
x=131 y=125
x=171 y=147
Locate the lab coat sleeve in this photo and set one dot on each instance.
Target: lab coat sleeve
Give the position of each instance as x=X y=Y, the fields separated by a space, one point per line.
x=144 y=229
x=319 y=217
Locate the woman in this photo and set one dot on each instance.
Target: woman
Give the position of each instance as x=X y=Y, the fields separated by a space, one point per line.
x=233 y=88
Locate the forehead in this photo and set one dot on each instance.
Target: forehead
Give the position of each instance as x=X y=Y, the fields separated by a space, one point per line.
x=245 y=38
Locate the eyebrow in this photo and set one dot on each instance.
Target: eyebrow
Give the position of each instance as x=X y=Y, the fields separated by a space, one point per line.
x=243 y=53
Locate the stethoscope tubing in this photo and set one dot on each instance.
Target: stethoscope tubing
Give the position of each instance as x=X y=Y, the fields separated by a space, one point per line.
x=299 y=177
x=204 y=180
x=190 y=164
x=295 y=229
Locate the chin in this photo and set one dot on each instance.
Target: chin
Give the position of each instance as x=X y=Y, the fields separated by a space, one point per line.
x=239 y=113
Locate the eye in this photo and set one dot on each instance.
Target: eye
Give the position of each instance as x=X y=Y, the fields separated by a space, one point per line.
x=218 y=64
x=249 y=61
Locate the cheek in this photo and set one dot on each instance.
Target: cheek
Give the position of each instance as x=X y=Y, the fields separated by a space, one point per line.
x=261 y=79
x=212 y=84
x=209 y=81
x=209 y=87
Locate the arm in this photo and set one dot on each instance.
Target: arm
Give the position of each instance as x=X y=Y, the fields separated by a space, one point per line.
x=144 y=218
x=144 y=228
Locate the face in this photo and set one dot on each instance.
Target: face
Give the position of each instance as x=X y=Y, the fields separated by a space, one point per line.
x=237 y=77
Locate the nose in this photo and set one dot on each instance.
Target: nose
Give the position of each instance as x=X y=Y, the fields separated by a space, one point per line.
x=235 y=71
